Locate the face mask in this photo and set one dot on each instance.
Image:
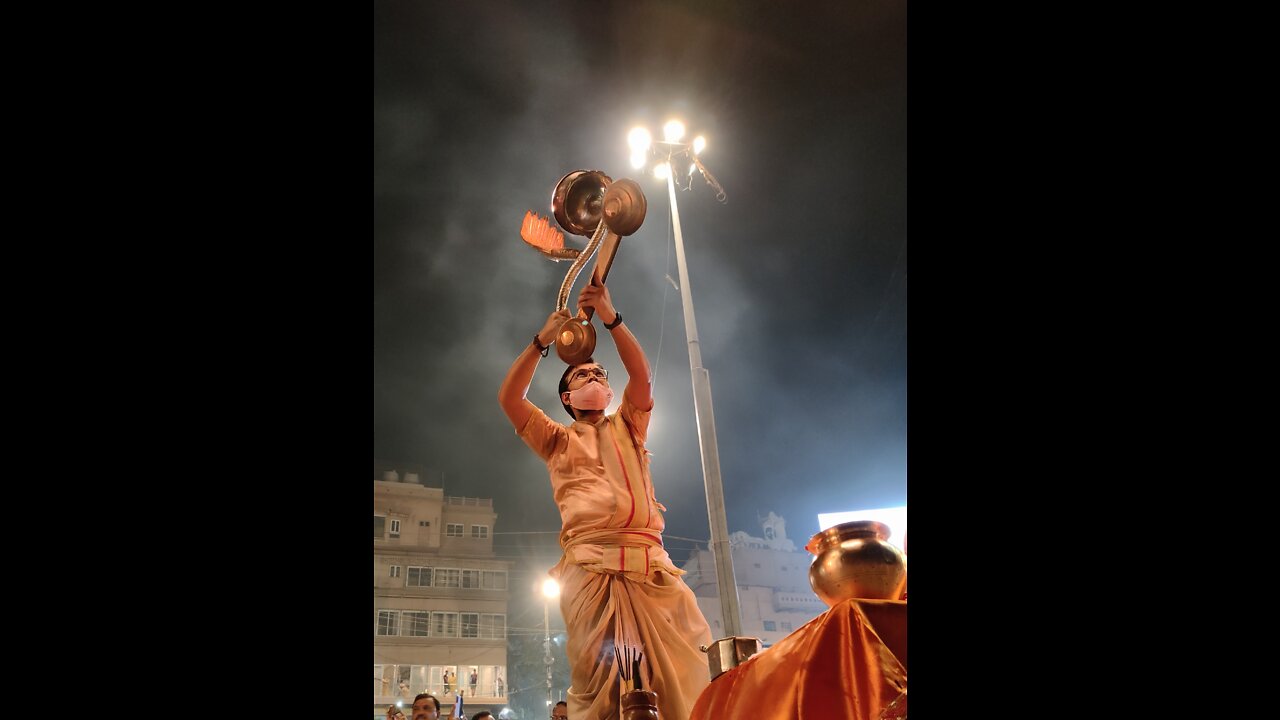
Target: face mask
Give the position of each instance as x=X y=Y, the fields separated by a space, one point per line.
x=592 y=396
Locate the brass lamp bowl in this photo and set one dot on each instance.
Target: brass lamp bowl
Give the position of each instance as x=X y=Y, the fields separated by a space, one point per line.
x=576 y=341
x=577 y=199
x=581 y=201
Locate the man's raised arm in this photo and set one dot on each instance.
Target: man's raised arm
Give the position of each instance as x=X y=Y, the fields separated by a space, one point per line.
x=515 y=386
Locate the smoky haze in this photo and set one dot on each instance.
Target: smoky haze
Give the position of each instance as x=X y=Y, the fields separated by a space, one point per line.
x=798 y=280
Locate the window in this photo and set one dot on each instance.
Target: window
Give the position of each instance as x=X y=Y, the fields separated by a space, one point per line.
x=453 y=530
x=388 y=622
x=395 y=571
x=787 y=626
x=770 y=625
x=419 y=577
x=480 y=532
x=444 y=624
x=493 y=580
x=448 y=577
x=470 y=625
x=379 y=526
x=471 y=579
x=493 y=626
x=424 y=523
x=416 y=622
x=395 y=528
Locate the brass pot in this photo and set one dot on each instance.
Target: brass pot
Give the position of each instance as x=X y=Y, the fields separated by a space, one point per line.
x=852 y=560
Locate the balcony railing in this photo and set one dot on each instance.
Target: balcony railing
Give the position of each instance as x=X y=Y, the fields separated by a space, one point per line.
x=476 y=502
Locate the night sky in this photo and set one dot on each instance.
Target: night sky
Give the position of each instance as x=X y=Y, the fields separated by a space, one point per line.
x=799 y=280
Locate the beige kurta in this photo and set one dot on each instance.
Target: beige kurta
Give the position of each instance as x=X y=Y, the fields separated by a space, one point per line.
x=619 y=586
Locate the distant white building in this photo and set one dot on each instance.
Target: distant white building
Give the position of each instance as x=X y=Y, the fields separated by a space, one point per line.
x=774 y=594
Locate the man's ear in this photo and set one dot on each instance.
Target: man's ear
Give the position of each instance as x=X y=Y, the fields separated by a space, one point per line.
x=564 y=398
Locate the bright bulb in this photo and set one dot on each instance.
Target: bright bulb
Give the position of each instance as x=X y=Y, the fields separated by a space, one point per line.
x=639 y=140
x=550 y=588
x=699 y=144
x=637 y=159
x=692 y=167
x=661 y=171
x=673 y=131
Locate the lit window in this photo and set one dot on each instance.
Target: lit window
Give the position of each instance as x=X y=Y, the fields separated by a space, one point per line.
x=448 y=578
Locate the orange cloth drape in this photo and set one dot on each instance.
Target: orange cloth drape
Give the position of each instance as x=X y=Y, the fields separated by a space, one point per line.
x=848 y=662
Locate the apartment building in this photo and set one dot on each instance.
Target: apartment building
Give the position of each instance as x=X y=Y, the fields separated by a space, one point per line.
x=439 y=597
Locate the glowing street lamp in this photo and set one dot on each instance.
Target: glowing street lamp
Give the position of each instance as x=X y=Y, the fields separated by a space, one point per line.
x=668 y=152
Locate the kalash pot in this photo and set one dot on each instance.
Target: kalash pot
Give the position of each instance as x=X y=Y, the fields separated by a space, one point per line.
x=852 y=560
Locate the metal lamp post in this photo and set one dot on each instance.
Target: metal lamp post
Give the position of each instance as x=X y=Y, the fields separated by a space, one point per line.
x=550 y=590
x=667 y=151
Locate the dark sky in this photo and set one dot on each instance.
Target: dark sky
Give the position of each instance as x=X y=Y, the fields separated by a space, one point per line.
x=799 y=280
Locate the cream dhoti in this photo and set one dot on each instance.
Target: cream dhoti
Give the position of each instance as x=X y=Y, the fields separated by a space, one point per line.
x=619 y=589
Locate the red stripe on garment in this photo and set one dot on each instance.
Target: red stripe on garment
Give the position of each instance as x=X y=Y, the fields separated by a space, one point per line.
x=622 y=559
x=626 y=477
x=648 y=486
x=655 y=537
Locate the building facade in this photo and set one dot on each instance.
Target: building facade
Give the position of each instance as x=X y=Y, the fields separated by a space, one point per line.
x=774 y=595
x=440 y=597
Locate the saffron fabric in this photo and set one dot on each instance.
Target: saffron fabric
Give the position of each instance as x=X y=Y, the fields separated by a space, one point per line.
x=619 y=587
x=837 y=665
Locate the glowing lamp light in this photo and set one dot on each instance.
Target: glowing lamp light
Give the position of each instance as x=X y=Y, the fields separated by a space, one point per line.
x=637 y=159
x=661 y=171
x=550 y=588
x=639 y=140
x=673 y=131
x=699 y=144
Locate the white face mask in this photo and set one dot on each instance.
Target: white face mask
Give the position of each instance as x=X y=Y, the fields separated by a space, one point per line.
x=592 y=396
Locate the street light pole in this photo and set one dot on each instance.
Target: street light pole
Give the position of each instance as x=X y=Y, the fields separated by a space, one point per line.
x=550 y=589
x=705 y=417
x=546 y=645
